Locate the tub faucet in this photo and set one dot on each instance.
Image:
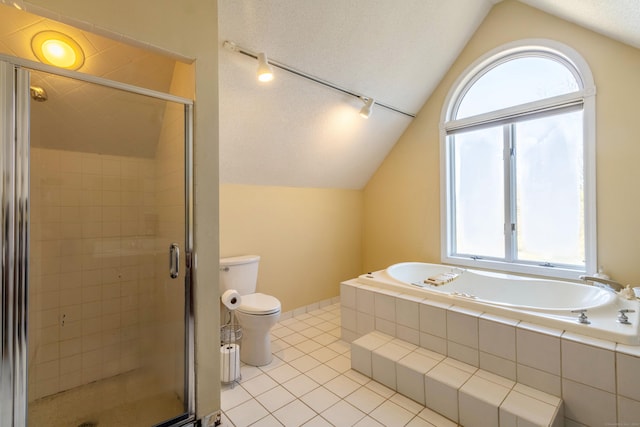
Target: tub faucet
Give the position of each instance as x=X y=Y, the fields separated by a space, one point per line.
x=609 y=284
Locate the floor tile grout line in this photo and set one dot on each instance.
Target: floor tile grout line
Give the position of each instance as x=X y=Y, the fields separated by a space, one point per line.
x=386 y=397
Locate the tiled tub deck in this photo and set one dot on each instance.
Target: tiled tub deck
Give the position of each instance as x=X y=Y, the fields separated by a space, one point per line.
x=597 y=380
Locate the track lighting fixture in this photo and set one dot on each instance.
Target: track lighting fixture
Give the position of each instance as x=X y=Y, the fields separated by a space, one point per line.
x=265 y=74
x=365 y=111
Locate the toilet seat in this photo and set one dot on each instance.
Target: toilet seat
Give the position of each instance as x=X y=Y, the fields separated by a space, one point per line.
x=259 y=304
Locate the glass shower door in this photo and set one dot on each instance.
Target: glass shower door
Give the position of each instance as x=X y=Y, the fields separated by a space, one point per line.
x=108 y=342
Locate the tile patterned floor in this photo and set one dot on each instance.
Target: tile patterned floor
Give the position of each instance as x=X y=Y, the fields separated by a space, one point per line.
x=310 y=383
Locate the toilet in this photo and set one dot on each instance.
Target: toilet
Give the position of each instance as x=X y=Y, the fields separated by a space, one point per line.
x=256 y=314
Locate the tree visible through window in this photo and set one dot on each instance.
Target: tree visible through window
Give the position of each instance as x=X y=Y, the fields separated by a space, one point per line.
x=518 y=164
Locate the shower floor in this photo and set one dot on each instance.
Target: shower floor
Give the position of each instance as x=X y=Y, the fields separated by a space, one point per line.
x=124 y=400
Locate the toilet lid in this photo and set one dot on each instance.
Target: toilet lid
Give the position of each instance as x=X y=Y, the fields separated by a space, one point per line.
x=259 y=304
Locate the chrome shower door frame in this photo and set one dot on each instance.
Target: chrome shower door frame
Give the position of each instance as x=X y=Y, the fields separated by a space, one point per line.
x=14 y=188
x=14 y=234
x=14 y=216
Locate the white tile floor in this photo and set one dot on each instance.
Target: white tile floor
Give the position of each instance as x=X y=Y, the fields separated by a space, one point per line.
x=310 y=383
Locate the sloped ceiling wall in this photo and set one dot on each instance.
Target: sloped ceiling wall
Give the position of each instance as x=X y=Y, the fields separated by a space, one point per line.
x=292 y=132
x=618 y=19
x=79 y=116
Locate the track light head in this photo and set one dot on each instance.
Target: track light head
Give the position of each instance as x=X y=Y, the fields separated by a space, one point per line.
x=265 y=73
x=365 y=112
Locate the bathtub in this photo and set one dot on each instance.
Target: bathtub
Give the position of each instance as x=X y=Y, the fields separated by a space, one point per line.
x=547 y=303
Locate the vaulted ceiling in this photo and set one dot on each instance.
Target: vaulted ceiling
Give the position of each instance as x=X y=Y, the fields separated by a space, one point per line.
x=293 y=132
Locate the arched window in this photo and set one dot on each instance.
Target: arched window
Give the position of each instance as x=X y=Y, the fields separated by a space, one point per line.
x=518 y=163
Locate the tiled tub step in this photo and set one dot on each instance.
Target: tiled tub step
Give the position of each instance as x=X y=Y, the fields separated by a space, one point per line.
x=463 y=393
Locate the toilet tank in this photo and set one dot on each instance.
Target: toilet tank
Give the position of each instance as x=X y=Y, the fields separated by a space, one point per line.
x=239 y=273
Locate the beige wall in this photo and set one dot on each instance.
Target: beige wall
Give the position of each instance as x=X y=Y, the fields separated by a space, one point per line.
x=406 y=226
x=188 y=28
x=309 y=239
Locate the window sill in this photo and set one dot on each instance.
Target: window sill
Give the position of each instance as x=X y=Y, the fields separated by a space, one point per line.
x=520 y=269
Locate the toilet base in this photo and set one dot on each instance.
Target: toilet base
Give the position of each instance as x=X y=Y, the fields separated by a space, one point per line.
x=255 y=348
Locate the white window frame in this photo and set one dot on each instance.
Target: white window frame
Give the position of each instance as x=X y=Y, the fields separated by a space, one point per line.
x=585 y=96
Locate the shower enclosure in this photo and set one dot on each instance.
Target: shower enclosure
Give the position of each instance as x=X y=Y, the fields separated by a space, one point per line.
x=96 y=191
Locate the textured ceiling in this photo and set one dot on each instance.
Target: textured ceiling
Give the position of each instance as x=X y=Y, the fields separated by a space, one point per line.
x=293 y=132
x=296 y=133
x=618 y=19
x=290 y=132
x=86 y=117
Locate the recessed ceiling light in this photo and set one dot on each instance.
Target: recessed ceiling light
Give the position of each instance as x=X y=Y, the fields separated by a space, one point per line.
x=58 y=49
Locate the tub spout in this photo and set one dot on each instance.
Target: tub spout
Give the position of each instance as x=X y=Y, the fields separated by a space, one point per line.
x=611 y=284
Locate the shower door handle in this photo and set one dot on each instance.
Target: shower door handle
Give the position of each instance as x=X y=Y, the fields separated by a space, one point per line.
x=174 y=260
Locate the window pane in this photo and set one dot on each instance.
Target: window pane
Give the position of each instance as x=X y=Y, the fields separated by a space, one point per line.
x=516 y=82
x=549 y=182
x=479 y=192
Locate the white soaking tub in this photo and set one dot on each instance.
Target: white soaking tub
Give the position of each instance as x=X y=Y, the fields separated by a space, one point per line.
x=547 y=303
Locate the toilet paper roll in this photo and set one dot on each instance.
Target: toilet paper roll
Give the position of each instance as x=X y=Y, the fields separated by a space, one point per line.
x=231 y=299
x=229 y=362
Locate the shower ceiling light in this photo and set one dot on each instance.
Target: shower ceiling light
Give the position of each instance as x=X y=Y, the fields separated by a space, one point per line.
x=55 y=48
x=366 y=110
x=265 y=73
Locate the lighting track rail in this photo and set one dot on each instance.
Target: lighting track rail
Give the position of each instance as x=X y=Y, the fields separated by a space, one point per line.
x=235 y=48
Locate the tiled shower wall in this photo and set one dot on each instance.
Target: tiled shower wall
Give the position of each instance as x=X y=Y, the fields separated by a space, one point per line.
x=93 y=227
